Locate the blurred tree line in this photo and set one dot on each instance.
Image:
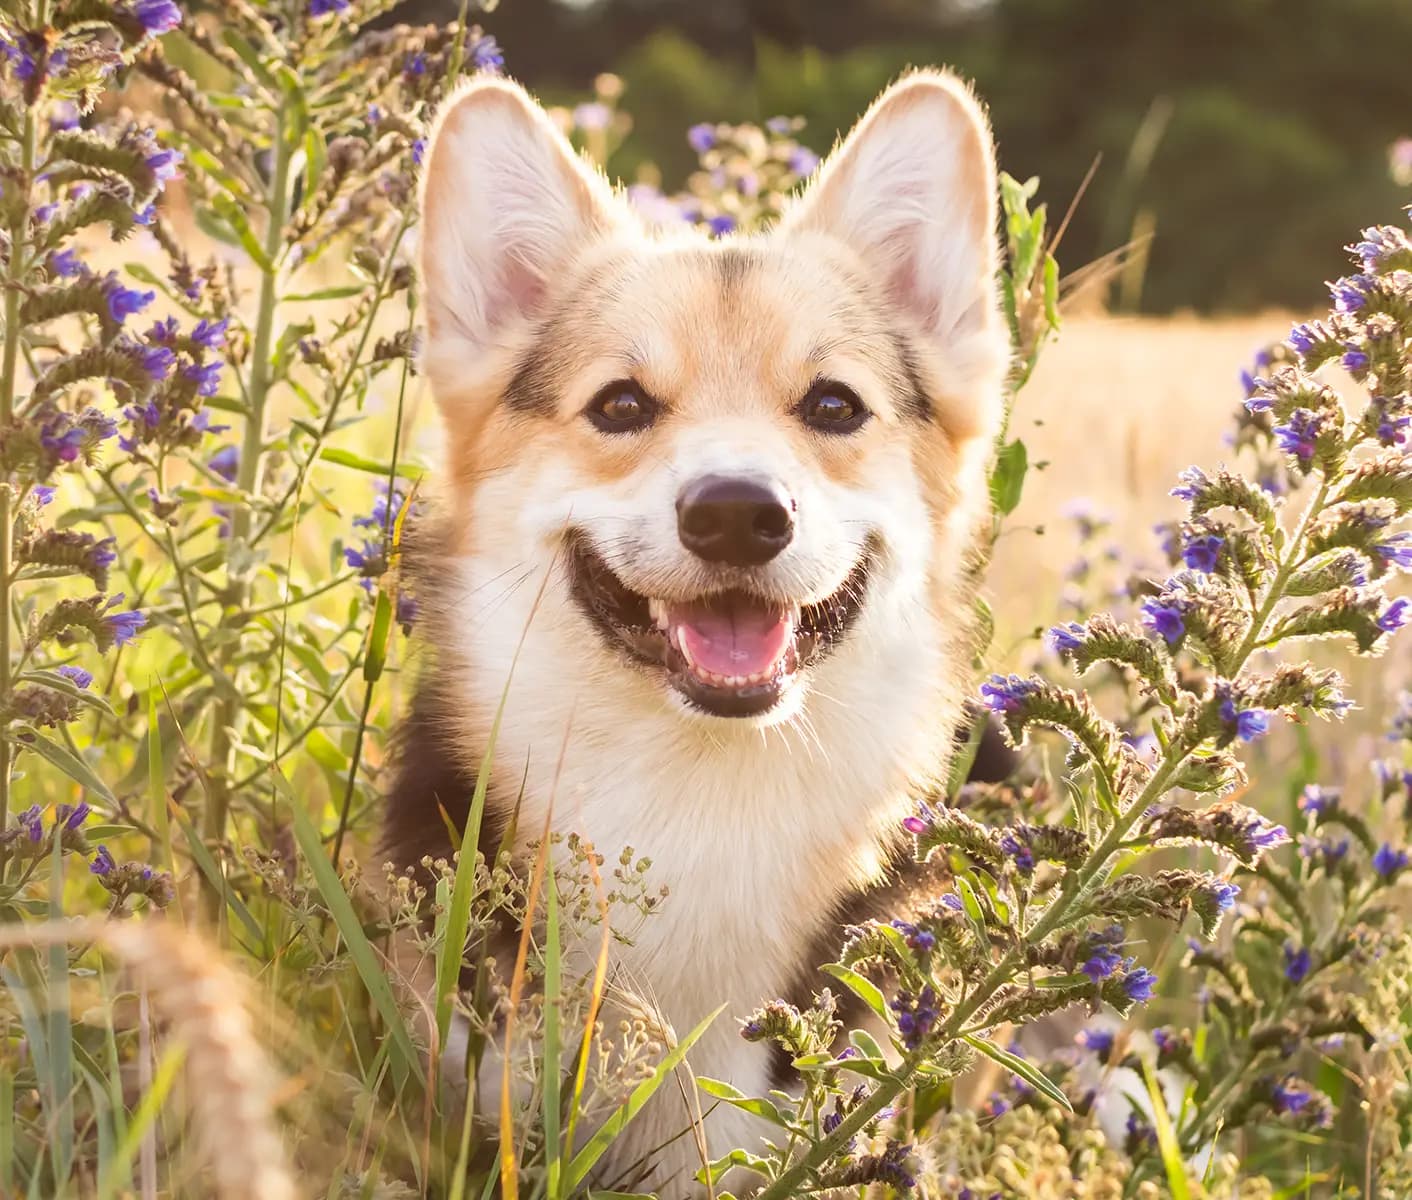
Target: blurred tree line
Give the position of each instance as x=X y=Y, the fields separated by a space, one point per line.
x=1249 y=137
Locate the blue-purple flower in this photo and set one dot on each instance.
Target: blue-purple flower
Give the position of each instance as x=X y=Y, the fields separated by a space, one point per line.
x=76 y=675
x=1139 y=985
x=1290 y=1095
x=1100 y=1041
x=1202 y=552
x=103 y=862
x=487 y=55
x=916 y=1015
x=124 y=302
x=701 y=137
x=124 y=626
x=65 y=264
x=206 y=376
x=1067 y=637
x=1297 y=962
x=1351 y=293
x=157 y=16
x=1298 y=436
x=1007 y=693
x=1389 y=862
x=1394 y=616
x=1165 y=616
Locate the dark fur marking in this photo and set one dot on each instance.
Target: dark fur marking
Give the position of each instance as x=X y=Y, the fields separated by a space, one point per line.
x=530 y=390
x=733 y=264
x=917 y=403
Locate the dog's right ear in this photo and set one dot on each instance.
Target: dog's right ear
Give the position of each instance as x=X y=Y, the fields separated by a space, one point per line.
x=505 y=202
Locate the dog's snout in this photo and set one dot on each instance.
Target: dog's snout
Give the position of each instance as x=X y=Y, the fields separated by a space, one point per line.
x=737 y=520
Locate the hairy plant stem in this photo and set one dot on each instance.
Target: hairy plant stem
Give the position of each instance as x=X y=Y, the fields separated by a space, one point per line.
x=9 y=368
x=795 y=1179
x=249 y=477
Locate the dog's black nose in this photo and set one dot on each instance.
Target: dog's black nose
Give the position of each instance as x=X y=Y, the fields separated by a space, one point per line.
x=735 y=520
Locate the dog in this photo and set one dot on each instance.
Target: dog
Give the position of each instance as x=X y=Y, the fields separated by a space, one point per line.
x=709 y=511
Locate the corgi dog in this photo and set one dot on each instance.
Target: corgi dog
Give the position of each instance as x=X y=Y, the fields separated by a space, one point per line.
x=708 y=507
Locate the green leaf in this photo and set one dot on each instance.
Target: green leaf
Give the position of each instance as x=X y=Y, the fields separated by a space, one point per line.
x=553 y=1150
x=736 y=1158
x=1018 y=1066
x=613 y=1127
x=866 y=1045
x=234 y=216
x=863 y=988
x=1166 y=1137
x=63 y=758
x=738 y=1099
x=377 y=638
x=359 y=462
x=1007 y=477
x=365 y=959
x=211 y=869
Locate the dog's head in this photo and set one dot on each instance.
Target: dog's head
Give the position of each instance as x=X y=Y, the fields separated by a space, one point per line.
x=742 y=454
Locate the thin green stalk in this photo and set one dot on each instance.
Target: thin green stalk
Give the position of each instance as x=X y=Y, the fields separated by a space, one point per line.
x=794 y=1179
x=14 y=274
x=250 y=471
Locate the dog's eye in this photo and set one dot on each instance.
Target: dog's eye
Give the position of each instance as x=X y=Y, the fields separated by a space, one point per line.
x=621 y=407
x=831 y=407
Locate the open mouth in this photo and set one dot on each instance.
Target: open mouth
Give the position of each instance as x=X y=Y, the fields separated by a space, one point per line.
x=731 y=653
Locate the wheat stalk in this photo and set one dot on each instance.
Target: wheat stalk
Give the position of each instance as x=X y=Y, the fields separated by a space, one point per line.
x=230 y=1079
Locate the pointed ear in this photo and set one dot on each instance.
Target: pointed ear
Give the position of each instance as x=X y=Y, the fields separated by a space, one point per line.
x=505 y=203
x=912 y=190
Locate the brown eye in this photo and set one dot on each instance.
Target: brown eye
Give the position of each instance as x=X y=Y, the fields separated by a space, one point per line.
x=621 y=407
x=831 y=407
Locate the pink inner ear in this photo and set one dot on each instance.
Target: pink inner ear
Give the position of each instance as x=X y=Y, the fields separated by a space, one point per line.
x=521 y=288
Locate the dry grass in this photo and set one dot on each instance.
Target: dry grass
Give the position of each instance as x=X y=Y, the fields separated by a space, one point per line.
x=1116 y=408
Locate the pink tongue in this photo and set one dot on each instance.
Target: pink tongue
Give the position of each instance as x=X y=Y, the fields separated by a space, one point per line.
x=731 y=636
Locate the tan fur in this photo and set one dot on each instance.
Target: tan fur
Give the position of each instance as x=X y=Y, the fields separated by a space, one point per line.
x=541 y=287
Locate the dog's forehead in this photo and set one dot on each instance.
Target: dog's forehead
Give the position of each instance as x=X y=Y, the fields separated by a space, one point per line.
x=695 y=322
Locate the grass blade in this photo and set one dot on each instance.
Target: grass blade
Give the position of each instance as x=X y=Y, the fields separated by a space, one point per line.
x=553 y=967
x=143 y=1120
x=583 y=1162
x=61 y=1030
x=360 y=950
x=1166 y=1137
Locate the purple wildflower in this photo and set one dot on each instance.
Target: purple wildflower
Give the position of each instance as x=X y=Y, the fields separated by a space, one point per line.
x=157 y=16
x=1067 y=637
x=1290 y=1095
x=1203 y=553
x=1355 y=360
x=1302 y=339
x=322 y=8
x=419 y=149
x=1297 y=962
x=1351 y=293
x=1389 y=862
x=124 y=302
x=1139 y=985
x=157 y=361
x=1316 y=800
x=916 y=937
x=1194 y=482
x=1164 y=616
x=76 y=675
x=225 y=462
x=1396 y=551
x=33 y=821
x=916 y=1015
x=210 y=335
x=1298 y=436
x=65 y=264
x=206 y=376
x=1100 y=1041
x=1019 y=851
x=1007 y=693
x=124 y=625
x=163 y=164
x=1394 y=617
x=103 y=862
x=720 y=225
x=487 y=55
x=1101 y=963
x=701 y=137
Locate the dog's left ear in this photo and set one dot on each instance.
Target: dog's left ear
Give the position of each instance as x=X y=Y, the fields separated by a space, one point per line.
x=506 y=203
x=912 y=190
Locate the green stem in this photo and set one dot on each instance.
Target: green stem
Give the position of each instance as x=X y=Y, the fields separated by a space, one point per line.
x=250 y=477
x=14 y=274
